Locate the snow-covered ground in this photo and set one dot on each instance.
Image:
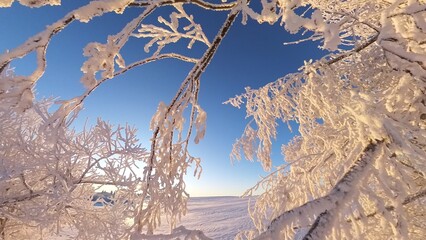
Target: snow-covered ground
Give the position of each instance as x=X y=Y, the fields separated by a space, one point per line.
x=218 y=217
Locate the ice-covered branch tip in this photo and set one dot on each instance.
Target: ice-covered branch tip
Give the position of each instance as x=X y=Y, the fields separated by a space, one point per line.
x=164 y=36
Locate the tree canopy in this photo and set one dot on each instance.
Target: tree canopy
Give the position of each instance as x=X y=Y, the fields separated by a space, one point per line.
x=356 y=170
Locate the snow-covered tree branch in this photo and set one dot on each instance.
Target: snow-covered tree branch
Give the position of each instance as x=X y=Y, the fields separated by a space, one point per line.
x=49 y=180
x=342 y=102
x=356 y=169
x=160 y=187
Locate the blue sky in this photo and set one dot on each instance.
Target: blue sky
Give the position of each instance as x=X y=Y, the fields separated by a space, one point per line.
x=251 y=55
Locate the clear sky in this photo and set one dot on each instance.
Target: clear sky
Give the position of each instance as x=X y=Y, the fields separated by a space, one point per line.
x=251 y=55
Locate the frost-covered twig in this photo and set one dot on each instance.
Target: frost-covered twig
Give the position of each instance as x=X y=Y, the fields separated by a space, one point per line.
x=186 y=94
x=42 y=39
x=355 y=50
x=409 y=199
x=164 y=36
x=201 y=3
x=79 y=100
x=52 y=175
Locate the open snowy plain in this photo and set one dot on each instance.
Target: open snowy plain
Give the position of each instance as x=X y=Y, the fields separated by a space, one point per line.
x=218 y=217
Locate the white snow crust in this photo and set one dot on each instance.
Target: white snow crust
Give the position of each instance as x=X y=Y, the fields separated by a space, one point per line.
x=217 y=217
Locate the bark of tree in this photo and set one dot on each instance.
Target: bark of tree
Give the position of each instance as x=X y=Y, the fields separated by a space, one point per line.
x=3 y=228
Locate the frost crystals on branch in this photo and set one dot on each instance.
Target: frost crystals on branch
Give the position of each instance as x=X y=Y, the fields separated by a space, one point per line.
x=356 y=169
x=142 y=195
x=162 y=36
x=372 y=87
